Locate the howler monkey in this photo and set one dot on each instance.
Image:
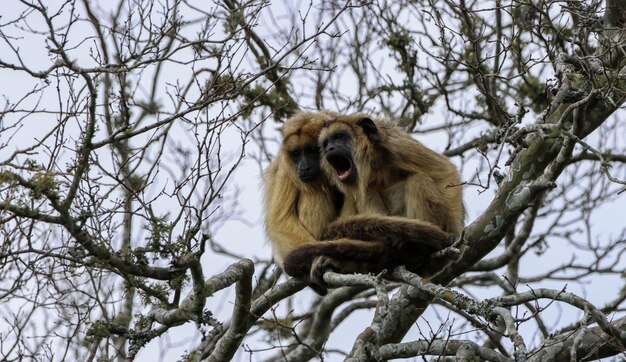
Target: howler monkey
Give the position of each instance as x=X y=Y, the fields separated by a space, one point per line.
x=363 y=157
x=299 y=199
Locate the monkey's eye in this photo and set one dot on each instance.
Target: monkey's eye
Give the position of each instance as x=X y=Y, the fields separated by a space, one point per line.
x=296 y=153
x=325 y=143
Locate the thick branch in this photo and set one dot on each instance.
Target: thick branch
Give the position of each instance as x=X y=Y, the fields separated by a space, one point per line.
x=239 y=324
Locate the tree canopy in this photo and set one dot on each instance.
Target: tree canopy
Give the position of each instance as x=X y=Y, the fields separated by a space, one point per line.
x=133 y=135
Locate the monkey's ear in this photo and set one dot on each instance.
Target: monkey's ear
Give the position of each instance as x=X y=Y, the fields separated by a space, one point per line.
x=369 y=127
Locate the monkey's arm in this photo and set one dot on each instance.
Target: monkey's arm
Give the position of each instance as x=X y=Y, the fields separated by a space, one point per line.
x=356 y=256
x=386 y=242
x=389 y=229
x=408 y=242
x=350 y=252
x=343 y=256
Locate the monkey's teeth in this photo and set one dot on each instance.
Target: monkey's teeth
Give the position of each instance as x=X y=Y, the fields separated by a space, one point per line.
x=344 y=175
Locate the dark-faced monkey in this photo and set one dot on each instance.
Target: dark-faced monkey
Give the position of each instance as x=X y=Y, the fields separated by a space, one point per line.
x=299 y=199
x=369 y=159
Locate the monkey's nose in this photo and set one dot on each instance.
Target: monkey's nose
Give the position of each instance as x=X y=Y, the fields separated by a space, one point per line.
x=305 y=167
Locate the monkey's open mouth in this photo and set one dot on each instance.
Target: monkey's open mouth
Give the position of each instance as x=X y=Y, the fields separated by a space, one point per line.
x=342 y=165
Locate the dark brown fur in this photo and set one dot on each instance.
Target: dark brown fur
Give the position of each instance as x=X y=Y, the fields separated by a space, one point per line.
x=369 y=244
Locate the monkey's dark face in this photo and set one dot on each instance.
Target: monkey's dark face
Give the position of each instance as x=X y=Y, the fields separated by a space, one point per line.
x=338 y=141
x=306 y=161
x=337 y=151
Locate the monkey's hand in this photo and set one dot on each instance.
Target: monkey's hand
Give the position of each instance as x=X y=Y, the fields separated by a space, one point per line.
x=321 y=265
x=307 y=260
x=298 y=262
